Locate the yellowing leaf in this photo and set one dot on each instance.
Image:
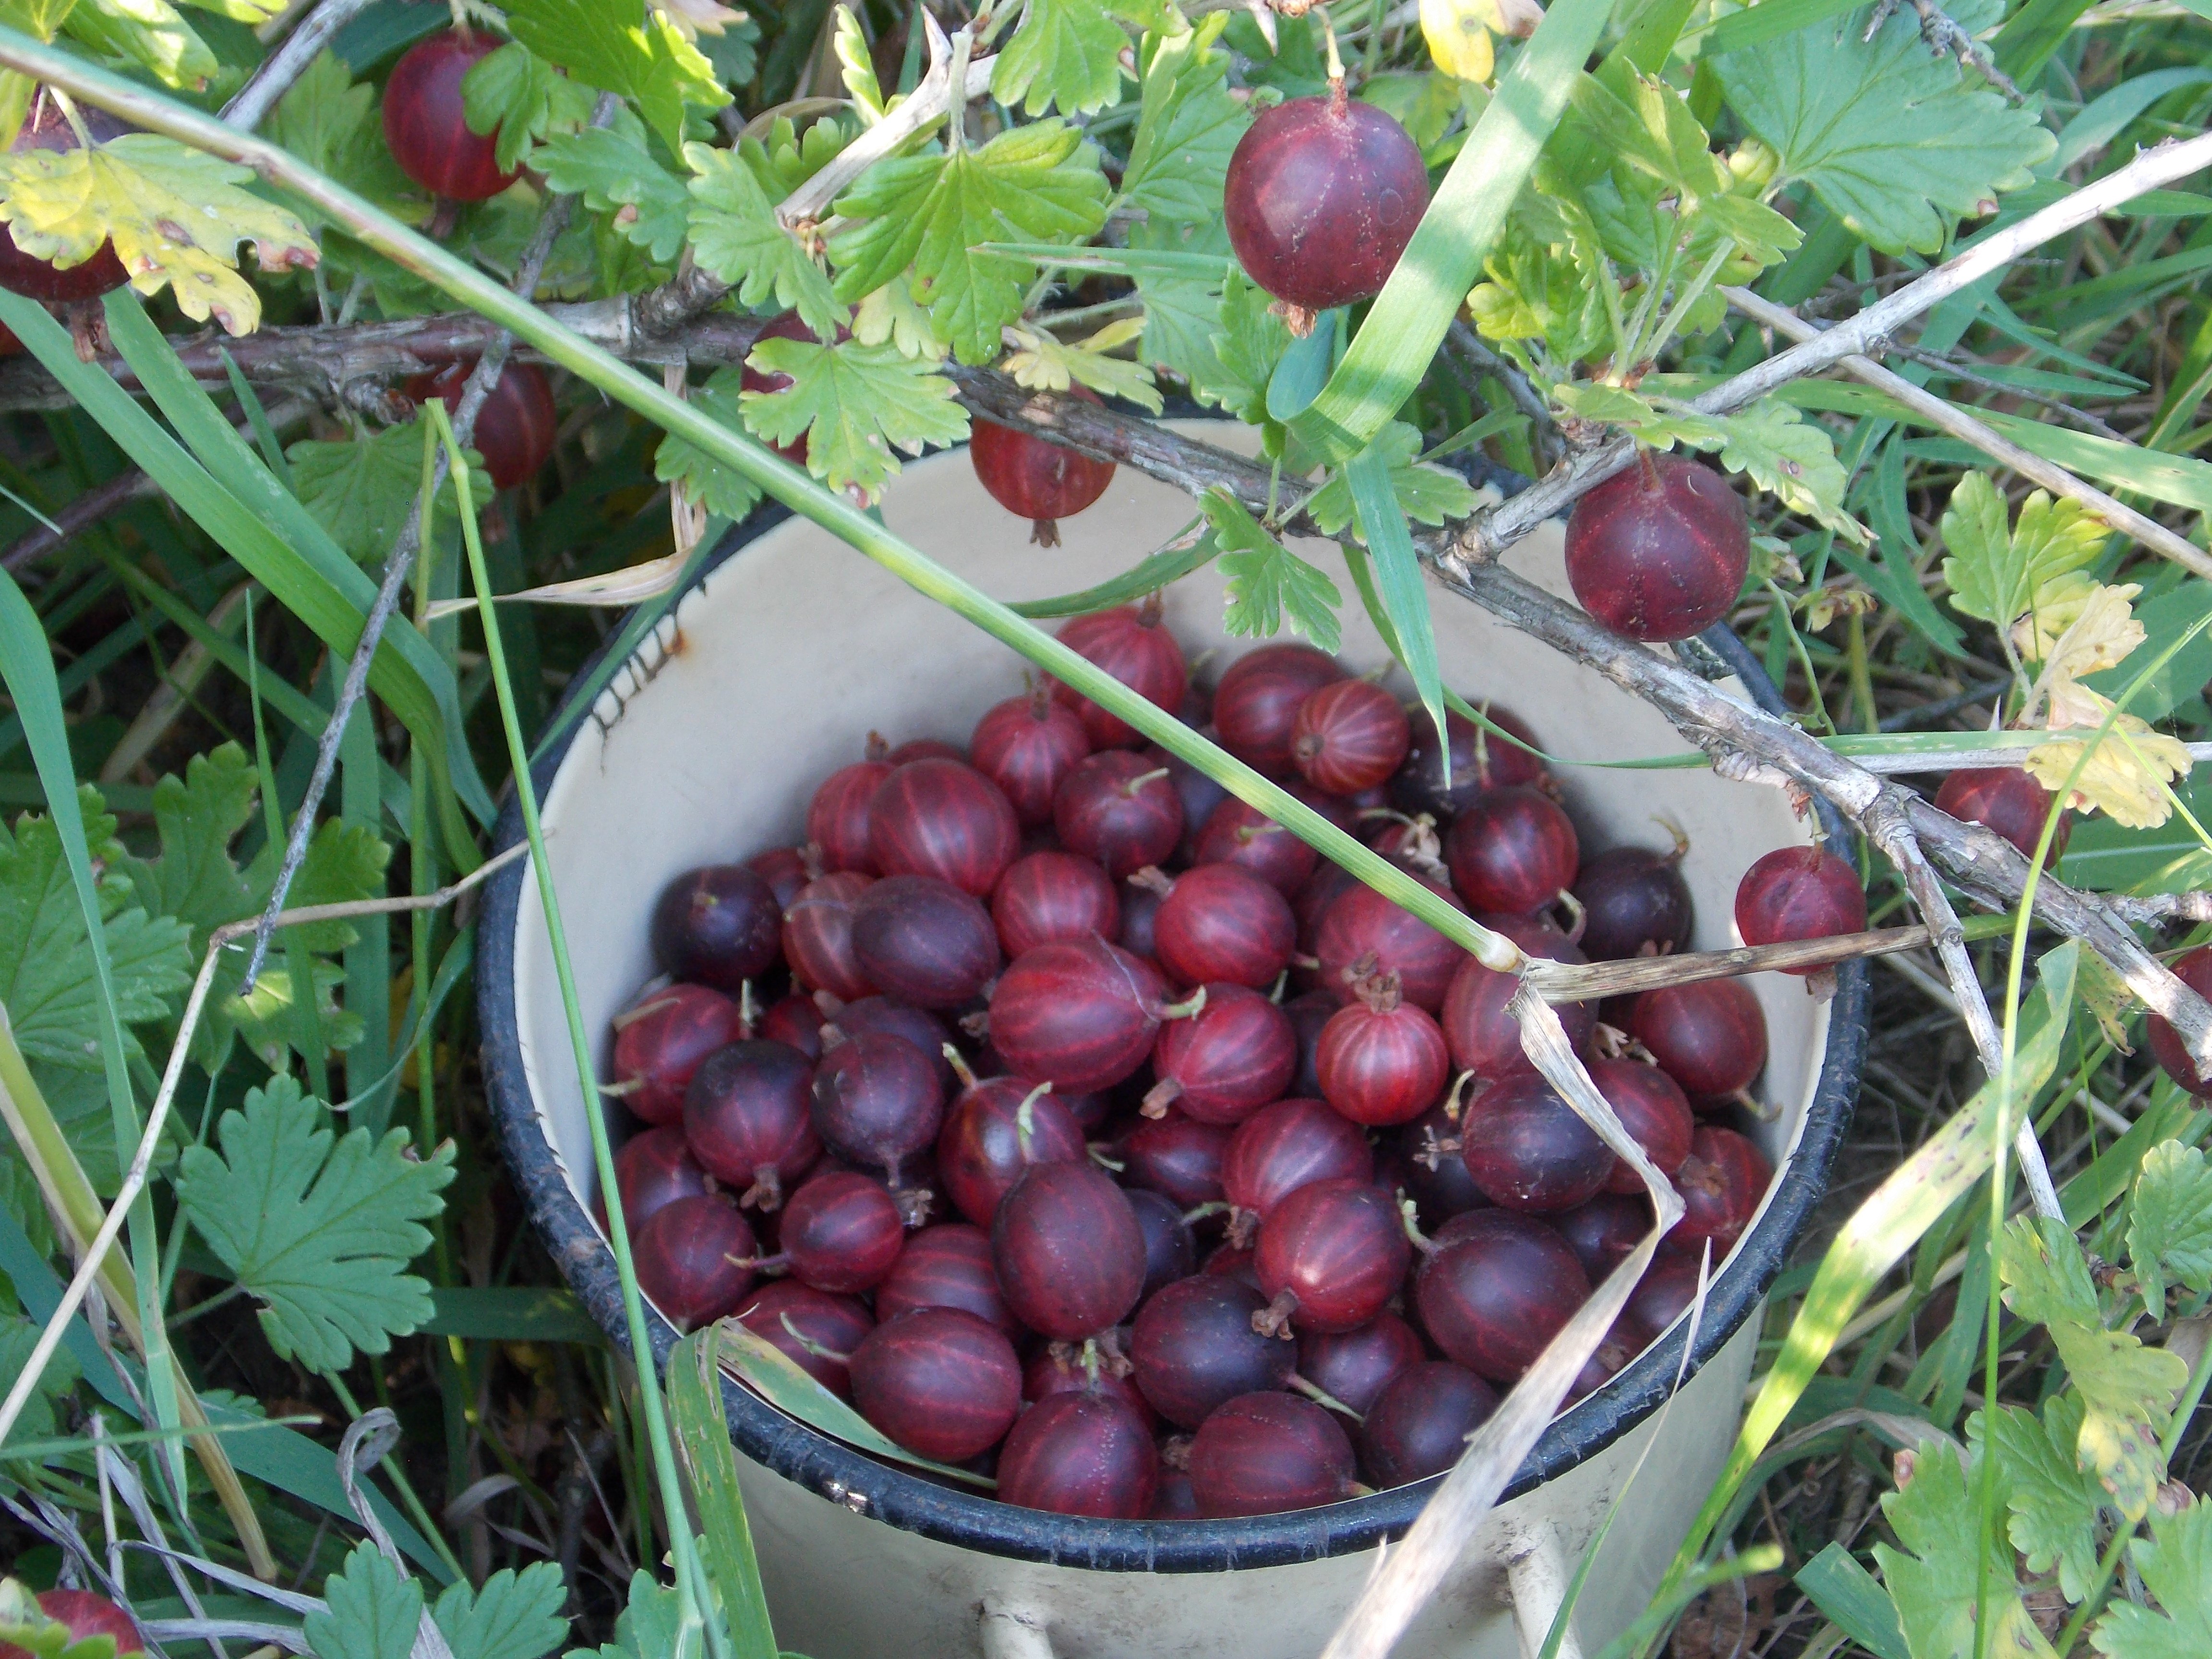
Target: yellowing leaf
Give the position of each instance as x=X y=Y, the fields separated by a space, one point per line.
x=2089 y=627
x=175 y=217
x=2128 y=769
x=891 y=313
x=1042 y=363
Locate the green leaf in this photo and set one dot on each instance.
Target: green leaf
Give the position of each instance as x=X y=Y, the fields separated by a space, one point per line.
x=1183 y=303
x=1036 y=183
x=2170 y=1223
x=1067 y=54
x=2053 y=1504
x=363 y=490
x=49 y=982
x=645 y=1629
x=1996 y=573
x=523 y=97
x=148 y=33
x=18 y=1337
x=1247 y=345
x=319 y=1228
x=1792 y=459
x=1041 y=361
x=1427 y=494
x=1188 y=126
x=2175 y=1565
x=372 y=1611
x=856 y=405
x=2127 y=1390
x=1661 y=427
x=1893 y=138
x=1935 y=1586
x=788 y=158
x=614 y=174
x=513 y=1616
x=639 y=55
x=707 y=482
x=1266 y=581
x=1851 y=1597
x=735 y=236
x=856 y=68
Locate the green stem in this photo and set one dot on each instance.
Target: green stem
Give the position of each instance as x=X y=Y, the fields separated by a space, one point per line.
x=796 y=490
x=692 y=1599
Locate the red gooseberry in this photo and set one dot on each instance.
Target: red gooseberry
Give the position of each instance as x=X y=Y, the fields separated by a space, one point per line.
x=1799 y=893
x=1130 y=643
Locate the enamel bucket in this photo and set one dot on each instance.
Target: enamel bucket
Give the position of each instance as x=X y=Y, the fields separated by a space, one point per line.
x=764 y=678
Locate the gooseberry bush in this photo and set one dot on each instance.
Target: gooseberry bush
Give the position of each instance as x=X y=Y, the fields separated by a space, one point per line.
x=545 y=298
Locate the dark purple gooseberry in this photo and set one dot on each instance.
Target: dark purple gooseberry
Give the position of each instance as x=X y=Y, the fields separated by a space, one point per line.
x=1244 y=836
x=1658 y=552
x=1635 y=903
x=1178 y=1157
x=1419 y=1425
x=1114 y=807
x=1603 y=1232
x=1232 y=1057
x=995 y=1130
x=1799 y=893
x=1256 y=707
x=841 y=1232
x=516 y=427
x=656 y=1169
x=878 y=1101
x=1199 y=793
x=659 y=1041
x=1436 y=1177
x=718 y=926
x=1653 y=1108
x=1322 y=195
x=1285 y=1146
x=1194 y=1347
x=1026 y=745
x=939 y=1382
x=924 y=939
x=1068 y=1249
x=2194 y=970
x=1223 y=922
x=795 y=1021
x=1063 y=1368
x=1348 y=736
x=1352 y=1367
x=1721 y=1183
x=1500 y=1288
x=694 y=1260
x=785 y=870
x=1330 y=1255
x=1170 y=1247
x=1362 y=924
x=813 y=1329
x=943 y=818
x=2006 y=801
x=1262 y=1454
x=889 y=1017
x=1310 y=1015
x=1130 y=643
x=1140 y=911
x=1663 y=1295
x=947 y=1266
x=1528 y=1150
x=1513 y=851
x=1080 y=1454
x=746 y=1117
x=1483 y=1038
x=817 y=936
x=1709 y=1036
x=1079 y=1015
x=837 y=816
x=1035 y=478
x=424 y=125
x=1481 y=760
x=1049 y=896
x=1381 y=1061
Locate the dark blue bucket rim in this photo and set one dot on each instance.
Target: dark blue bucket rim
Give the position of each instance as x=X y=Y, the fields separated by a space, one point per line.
x=905 y=1499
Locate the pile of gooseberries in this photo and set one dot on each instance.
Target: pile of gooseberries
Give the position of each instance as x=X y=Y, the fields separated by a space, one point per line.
x=1071 y=1120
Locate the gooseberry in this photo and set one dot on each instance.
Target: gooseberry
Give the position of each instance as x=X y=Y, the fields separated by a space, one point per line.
x=1076 y=1453
x=718 y=926
x=943 y=818
x=1264 y=1453
x=746 y=1115
x=1119 y=809
x=837 y=827
x=1658 y=552
x=1484 y=1039
x=924 y=939
x=1330 y=1255
x=425 y=125
x=1194 y=1347
x=1528 y=1150
x=1497 y=1290
x=1221 y=922
x=1035 y=478
x=813 y=1329
x=1235 y=833
x=1513 y=851
x=694 y=1260
x=947 y=1266
x=1352 y=1367
x=1709 y=1036
x=1420 y=1424
x=878 y=1101
x=1350 y=735
x=2194 y=970
x=841 y=1232
x=1380 y=1059
x=516 y=424
x=1069 y=1253
x=1223 y=1064
x=1130 y=643
x=1080 y=1014
x=2008 y=801
x=1634 y=903
x=659 y=1041
x=1025 y=745
x=1799 y=893
x=1256 y=707
x=995 y=1130
x=1283 y=1147
x=939 y=1382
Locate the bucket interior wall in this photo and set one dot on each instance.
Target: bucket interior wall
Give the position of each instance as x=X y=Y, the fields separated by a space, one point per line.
x=772 y=673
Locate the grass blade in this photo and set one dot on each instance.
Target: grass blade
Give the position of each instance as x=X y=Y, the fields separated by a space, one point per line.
x=703 y=1433
x=1398 y=578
